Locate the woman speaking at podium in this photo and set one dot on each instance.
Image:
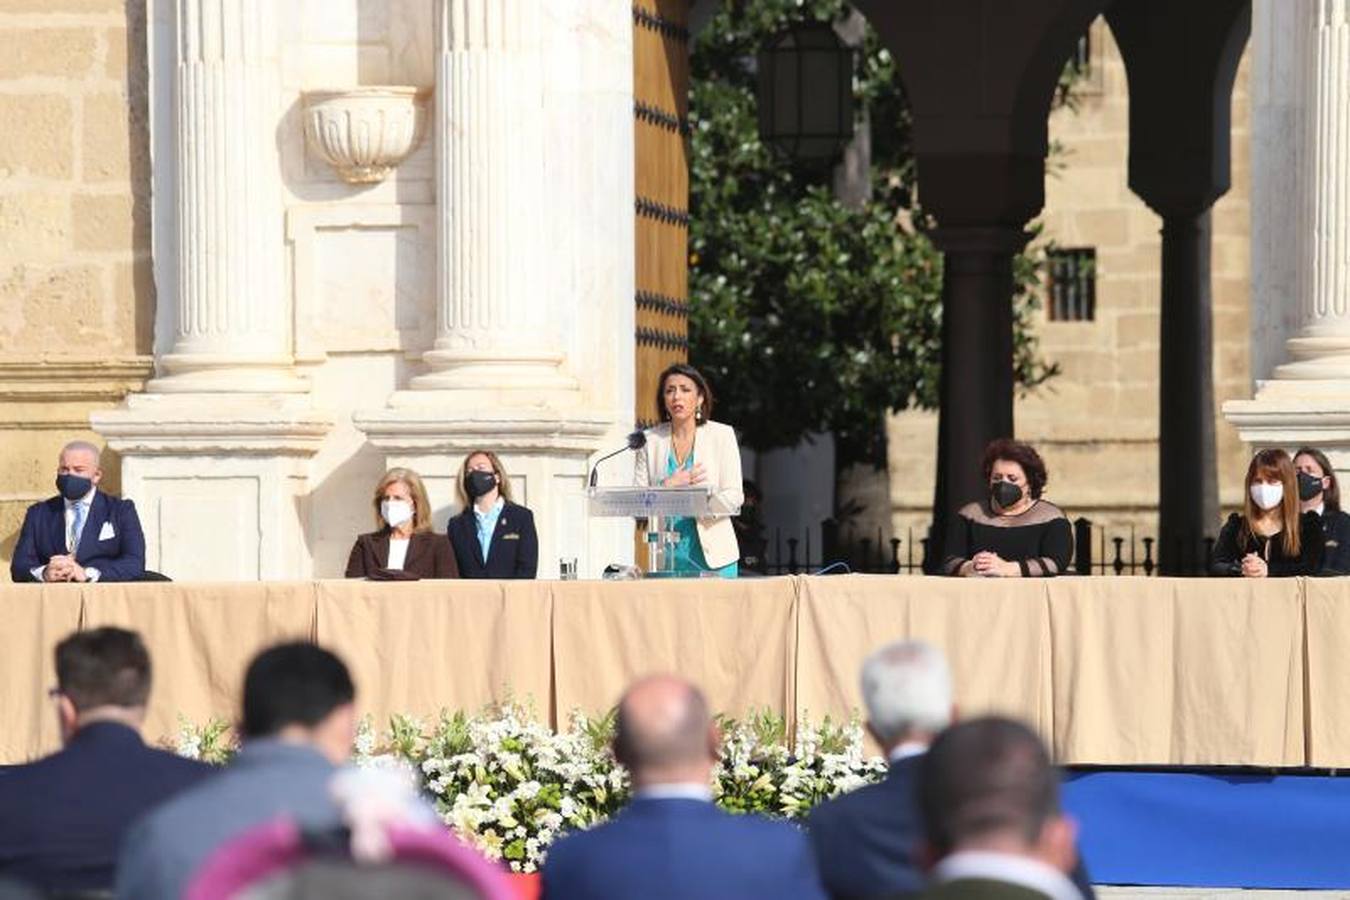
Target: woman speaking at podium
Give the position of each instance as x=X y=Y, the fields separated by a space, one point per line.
x=688 y=448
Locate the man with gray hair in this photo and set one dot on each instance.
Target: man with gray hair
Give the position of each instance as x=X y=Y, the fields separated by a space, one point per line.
x=82 y=534
x=672 y=842
x=866 y=841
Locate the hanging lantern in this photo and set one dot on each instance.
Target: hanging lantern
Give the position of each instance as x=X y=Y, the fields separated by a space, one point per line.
x=805 y=93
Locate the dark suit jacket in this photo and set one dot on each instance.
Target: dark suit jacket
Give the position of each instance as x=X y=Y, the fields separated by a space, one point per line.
x=513 y=553
x=865 y=840
x=63 y=817
x=1336 y=555
x=981 y=889
x=120 y=557
x=429 y=556
x=677 y=849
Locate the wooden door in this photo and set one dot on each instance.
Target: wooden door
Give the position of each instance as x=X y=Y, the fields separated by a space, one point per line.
x=661 y=126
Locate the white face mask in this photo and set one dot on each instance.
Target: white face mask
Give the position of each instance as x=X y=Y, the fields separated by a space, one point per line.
x=1267 y=496
x=396 y=512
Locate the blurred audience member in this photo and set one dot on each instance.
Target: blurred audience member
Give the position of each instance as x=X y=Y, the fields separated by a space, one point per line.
x=63 y=818
x=390 y=844
x=404 y=547
x=298 y=726
x=1319 y=491
x=990 y=803
x=672 y=843
x=1012 y=532
x=491 y=536
x=1270 y=537
x=866 y=841
x=82 y=534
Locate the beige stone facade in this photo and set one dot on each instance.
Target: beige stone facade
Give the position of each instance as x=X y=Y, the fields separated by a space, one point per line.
x=1096 y=423
x=76 y=290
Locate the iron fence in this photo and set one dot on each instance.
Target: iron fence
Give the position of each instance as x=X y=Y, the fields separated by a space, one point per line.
x=832 y=548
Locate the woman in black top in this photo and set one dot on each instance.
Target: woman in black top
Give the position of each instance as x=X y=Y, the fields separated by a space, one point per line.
x=1270 y=537
x=1320 y=492
x=1013 y=533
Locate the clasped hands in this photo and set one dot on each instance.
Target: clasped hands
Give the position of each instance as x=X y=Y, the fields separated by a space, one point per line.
x=63 y=567
x=990 y=564
x=693 y=475
x=1253 y=566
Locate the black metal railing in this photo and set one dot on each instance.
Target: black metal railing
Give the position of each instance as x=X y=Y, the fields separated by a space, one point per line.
x=846 y=549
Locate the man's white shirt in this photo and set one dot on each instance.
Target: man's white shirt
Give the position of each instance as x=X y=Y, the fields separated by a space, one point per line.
x=87 y=501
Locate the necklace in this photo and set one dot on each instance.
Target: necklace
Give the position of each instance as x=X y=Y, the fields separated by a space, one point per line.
x=681 y=458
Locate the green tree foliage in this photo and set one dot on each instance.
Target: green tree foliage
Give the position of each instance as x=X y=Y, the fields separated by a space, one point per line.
x=809 y=315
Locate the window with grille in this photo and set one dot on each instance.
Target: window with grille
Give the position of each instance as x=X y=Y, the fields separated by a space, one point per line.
x=1071 y=284
x=1082 y=52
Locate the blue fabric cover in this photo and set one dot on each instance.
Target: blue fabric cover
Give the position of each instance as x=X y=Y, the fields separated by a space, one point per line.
x=1213 y=829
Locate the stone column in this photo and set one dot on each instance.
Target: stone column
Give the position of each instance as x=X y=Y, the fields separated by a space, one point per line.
x=1321 y=351
x=534 y=350
x=494 y=321
x=1308 y=399
x=216 y=452
x=975 y=395
x=1188 y=490
x=232 y=331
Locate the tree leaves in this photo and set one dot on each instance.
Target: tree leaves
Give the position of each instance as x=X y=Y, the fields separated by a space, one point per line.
x=806 y=314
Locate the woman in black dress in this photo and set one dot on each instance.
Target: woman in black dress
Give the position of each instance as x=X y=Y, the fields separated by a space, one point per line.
x=1011 y=533
x=1270 y=537
x=1320 y=492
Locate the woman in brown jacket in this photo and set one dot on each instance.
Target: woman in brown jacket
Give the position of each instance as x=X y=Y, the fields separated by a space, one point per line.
x=405 y=547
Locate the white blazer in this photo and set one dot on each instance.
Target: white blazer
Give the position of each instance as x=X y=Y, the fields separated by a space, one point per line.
x=715 y=449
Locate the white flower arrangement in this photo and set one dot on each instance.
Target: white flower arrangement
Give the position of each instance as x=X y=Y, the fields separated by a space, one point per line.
x=510 y=786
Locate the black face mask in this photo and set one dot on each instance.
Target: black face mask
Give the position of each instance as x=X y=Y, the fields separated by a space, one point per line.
x=1309 y=486
x=479 y=483
x=1005 y=494
x=73 y=487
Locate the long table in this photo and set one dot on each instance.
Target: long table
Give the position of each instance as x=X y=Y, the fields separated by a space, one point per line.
x=1112 y=671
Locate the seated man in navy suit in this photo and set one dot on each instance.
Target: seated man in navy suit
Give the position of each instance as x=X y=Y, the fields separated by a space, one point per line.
x=672 y=842
x=866 y=840
x=62 y=818
x=83 y=534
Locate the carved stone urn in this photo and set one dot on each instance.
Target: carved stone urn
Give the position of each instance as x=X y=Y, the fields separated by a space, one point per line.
x=365 y=132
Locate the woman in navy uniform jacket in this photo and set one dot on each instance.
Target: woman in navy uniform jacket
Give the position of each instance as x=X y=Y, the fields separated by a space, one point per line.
x=492 y=537
x=1319 y=492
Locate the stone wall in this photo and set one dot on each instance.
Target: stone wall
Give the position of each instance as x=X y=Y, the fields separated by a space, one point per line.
x=76 y=289
x=1096 y=423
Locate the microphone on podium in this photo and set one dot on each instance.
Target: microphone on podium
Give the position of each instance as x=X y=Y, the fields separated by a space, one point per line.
x=636 y=441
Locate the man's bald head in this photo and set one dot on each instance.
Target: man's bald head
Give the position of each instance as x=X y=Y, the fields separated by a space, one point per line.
x=665 y=731
x=79 y=456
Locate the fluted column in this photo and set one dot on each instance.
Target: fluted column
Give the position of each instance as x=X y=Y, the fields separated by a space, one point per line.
x=493 y=314
x=1307 y=120
x=232 y=330
x=1322 y=348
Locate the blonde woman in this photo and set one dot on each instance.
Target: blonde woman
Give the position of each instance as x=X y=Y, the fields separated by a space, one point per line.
x=492 y=537
x=404 y=547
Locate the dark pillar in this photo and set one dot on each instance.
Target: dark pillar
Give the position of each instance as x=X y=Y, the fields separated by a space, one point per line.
x=1181 y=60
x=976 y=404
x=1188 y=492
x=980 y=76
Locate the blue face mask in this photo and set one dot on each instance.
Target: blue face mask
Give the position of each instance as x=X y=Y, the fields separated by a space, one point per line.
x=73 y=487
